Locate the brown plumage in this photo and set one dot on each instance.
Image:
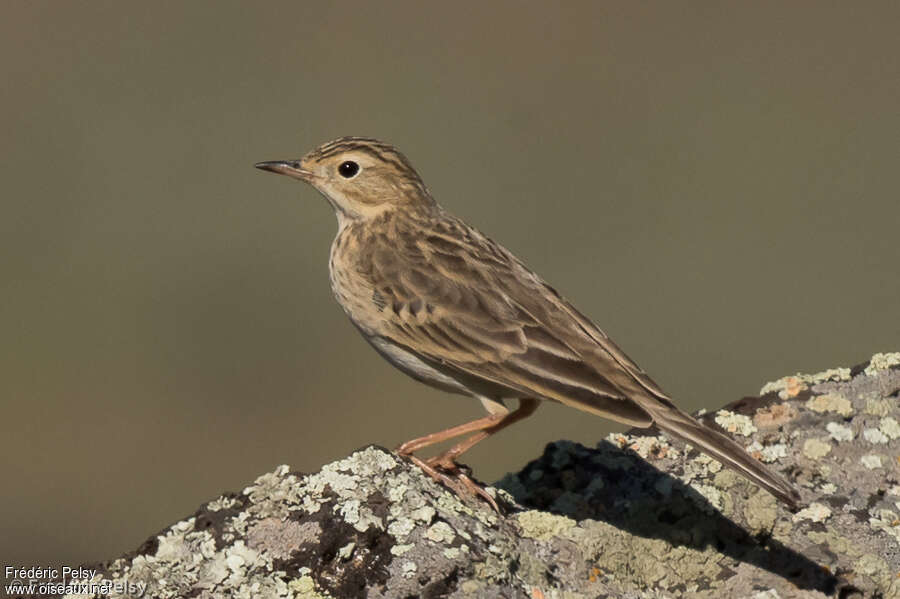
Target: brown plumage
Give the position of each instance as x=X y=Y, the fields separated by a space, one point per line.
x=454 y=309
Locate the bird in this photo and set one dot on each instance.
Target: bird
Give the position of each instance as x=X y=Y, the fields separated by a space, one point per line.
x=453 y=309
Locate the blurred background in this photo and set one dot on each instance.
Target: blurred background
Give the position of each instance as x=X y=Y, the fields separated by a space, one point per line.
x=717 y=186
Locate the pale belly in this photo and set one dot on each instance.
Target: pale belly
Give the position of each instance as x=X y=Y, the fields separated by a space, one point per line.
x=415 y=367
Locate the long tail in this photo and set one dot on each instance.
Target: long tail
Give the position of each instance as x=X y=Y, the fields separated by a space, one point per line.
x=672 y=420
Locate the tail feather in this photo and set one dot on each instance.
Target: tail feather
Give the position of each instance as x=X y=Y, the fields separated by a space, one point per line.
x=681 y=425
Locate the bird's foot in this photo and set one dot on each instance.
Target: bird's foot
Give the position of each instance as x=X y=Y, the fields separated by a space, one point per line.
x=450 y=474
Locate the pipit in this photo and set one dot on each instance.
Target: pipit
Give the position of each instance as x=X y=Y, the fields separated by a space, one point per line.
x=455 y=310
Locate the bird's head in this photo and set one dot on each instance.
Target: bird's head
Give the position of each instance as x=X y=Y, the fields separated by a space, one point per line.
x=361 y=177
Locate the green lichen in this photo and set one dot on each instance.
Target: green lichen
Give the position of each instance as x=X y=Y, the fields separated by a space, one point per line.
x=726 y=479
x=877 y=569
x=396 y=493
x=835 y=542
x=542 y=525
x=452 y=552
x=359 y=516
x=305 y=588
x=401 y=549
x=274 y=494
x=440 y=532
x=760 y=512
x=713 y=495
x=711 y=464
x=424 y=514
x=401 y=527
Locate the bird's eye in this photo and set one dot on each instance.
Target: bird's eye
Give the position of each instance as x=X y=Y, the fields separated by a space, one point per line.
x=348 y=169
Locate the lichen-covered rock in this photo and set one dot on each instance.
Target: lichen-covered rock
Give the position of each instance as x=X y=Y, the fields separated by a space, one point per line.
x=637 y=516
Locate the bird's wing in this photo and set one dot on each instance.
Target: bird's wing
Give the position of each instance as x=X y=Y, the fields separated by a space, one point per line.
x=487 y=316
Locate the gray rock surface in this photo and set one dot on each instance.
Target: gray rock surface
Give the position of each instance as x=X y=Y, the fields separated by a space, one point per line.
x=637 y=516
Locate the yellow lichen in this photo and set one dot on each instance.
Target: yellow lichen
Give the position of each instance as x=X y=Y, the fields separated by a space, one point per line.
x=543 y=526
x=830 y=402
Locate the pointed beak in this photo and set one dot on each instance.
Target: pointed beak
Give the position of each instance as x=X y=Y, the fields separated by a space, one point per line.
x=291 y=168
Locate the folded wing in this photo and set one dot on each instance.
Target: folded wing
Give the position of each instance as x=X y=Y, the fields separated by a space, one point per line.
x=489 y=317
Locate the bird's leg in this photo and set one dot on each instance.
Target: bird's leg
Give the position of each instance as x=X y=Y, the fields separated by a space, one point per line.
x=447 y=460
x=443 y=467
x=476 y=425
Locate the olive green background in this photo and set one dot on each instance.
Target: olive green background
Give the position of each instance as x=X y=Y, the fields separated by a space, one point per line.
x=717 y=186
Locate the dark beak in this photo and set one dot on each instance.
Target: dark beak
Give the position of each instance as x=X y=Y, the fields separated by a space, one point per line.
x=291 y=168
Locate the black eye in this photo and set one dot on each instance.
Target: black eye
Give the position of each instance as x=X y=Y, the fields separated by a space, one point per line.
x=348 y=169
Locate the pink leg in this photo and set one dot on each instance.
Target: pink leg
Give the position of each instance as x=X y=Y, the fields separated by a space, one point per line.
x=446 y=462
x=418 y=443
x=448 y=458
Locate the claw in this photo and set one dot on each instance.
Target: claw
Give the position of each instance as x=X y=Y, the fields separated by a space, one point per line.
x=450 y=475
x=438 y=477
x=477 y=489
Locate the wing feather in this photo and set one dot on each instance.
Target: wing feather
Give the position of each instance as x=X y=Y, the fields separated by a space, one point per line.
x=487 y=316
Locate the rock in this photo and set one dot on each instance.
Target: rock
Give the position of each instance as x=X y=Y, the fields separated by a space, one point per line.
x=637 y=516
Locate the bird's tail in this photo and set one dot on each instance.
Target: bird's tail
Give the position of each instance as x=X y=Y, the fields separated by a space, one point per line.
x=674 y=421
